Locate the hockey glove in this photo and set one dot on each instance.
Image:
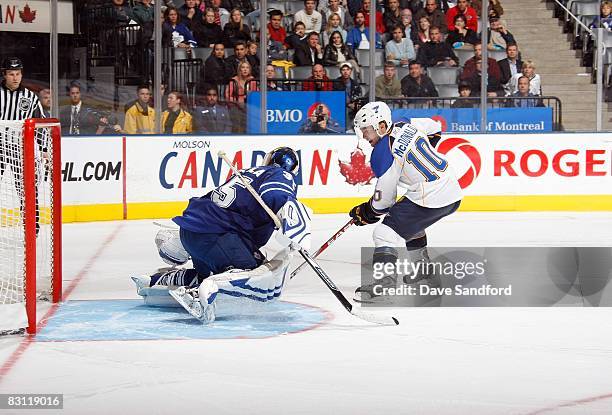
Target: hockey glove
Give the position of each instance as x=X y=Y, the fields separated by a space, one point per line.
x=364 y=214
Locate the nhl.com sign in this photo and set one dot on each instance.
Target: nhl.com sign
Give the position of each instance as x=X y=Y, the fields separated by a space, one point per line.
x=489 y=158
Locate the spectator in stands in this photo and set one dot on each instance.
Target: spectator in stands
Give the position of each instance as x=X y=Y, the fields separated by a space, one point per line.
x=509 y=66
x=240 y=55
x=417 y=84
x=189 y=12
x=435 y=16
x=318 y=81
x=495 y=8
x=409 y=26
x=235 y=30
x=237 y=89
x=470 y=65
x=206 y=32
x=346 y=83
x=76 y=118
x=464 y=101
x=298 y=37
x=273 y=85
x=334 y=7
x=122 y=13
x=310 y=53
x=276 y=31
x=140 y=117
x=461 y=35
x=471 y=17
x=212 y=118
x=143 y=14
x=253 y=54
x=423 y=35
x=336 y=52
x=359 y=36
x=319 y=121
x=380 y=24
x=499 y=36
x=221 y=14
x=393 y=16
x=436 y=52
x=605 y=17
x=333 y=25
x=311 y=18
x=387 y=84
x=528 y=70
x=175 y=120
x=399 y=49
x=44 y=96
x=216 y=70
x=493 y=82
x=526 y=100
x=174 y=33
x=245 y=6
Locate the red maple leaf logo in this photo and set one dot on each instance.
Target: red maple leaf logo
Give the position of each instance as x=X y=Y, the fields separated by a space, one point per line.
x=27 y=15
x=357 y=171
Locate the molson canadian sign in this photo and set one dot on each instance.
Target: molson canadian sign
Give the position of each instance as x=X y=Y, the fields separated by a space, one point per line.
x=34 y=16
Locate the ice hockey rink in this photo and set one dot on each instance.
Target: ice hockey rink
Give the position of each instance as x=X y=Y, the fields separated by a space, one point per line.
x=437 y=361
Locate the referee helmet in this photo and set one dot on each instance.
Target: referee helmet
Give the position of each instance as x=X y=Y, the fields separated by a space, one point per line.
x=11 y=64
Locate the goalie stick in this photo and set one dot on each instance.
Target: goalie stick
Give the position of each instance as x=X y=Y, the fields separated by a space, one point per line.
x=371 y=317
x=324 y=246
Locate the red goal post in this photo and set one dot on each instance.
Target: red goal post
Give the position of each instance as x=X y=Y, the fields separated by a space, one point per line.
x=30 y=220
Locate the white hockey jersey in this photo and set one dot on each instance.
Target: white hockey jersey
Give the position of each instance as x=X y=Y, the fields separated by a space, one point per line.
x=406 y=158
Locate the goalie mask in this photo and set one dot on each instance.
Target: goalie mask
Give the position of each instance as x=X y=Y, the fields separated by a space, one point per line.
x=371 y=115
x=283 y=157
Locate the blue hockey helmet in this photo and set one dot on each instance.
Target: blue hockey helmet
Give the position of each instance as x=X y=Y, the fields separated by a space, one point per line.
x=283 y=157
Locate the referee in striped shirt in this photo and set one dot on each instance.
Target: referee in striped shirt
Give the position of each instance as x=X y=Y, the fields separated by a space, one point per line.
x=17 y=103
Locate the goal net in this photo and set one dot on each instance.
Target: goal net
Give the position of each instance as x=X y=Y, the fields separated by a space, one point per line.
x=30 y=220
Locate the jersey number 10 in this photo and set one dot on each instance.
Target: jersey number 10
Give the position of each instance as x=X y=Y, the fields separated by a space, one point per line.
x=432 y=163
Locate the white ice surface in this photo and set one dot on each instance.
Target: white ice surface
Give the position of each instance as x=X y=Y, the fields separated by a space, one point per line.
x=438 y=361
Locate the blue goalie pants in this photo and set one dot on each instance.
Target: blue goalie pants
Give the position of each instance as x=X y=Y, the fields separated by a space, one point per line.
x=214 y=253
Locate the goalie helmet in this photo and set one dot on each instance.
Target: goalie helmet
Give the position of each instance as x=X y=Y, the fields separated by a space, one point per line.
x=11 y=63
x=283 y=157
x=371 y=115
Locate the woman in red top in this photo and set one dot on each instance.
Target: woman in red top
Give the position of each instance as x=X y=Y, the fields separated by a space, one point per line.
x=237 y=88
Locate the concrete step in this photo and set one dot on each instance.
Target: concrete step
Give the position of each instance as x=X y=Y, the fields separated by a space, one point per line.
x=552 y=79
x=568 y=87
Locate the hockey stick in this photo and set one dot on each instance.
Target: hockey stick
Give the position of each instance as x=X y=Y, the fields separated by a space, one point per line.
x=372 y=318
x=324 y=246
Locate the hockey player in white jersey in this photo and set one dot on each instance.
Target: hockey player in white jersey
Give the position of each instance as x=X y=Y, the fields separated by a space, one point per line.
x=402 y=156
x=222 y=233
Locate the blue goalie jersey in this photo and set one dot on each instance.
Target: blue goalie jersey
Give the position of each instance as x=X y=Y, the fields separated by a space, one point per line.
x=230 y=208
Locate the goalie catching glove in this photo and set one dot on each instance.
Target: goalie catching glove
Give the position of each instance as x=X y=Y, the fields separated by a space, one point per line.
x=364 y=214
x=295 y=218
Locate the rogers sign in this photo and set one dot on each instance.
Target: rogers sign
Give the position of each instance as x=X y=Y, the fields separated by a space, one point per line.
x=491 y=154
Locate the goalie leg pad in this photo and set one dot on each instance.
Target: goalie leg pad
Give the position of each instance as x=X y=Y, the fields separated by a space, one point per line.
x=170 y=248
x=262 y=284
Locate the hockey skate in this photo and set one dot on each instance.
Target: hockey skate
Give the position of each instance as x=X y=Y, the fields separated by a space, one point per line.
x=422 y=275
x=142 y=282
x=372 y=293
x=200 y=302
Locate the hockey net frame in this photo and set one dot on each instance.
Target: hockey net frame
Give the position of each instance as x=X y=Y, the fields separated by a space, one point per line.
x=37 y=167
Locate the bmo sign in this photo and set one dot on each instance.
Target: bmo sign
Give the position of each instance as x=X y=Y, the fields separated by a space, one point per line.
x=289 y=112
x=531 y=164
x=283 y=116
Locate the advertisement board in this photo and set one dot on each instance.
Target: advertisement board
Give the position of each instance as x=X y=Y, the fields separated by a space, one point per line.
x=154 y=176
x=289 y=112
x=34 y=16
x=499 y=120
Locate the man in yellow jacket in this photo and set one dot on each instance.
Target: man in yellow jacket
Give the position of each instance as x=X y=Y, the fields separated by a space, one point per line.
x=175 y=120
x=140 y=117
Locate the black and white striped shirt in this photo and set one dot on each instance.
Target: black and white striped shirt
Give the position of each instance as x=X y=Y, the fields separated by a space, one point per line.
x=19 y=104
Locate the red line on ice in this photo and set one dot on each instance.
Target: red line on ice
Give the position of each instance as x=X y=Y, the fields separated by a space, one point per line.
x=571 y=404
x=28 y=340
